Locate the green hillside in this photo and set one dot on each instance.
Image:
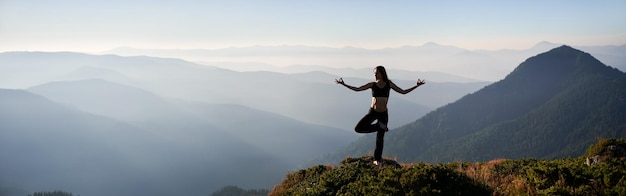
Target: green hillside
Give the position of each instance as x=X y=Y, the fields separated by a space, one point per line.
x=571 y=176
x=552 y=105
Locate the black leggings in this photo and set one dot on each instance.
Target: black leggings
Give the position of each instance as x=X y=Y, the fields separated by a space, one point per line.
x=365 y=126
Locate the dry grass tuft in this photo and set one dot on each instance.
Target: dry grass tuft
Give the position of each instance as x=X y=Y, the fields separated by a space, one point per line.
x=507 y=183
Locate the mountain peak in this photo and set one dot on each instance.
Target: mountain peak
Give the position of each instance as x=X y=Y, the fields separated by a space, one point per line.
x=563 y=62
x=432 y=44
x=565 y=49
x=546 y=44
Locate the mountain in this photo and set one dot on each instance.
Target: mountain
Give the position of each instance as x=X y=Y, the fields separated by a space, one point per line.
x=42 y=141
x=552 y=105
x=113 y=100
x=21 y=70
x=45 y=145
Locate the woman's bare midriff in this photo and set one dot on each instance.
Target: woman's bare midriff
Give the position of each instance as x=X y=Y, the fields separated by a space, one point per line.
x=379 y=104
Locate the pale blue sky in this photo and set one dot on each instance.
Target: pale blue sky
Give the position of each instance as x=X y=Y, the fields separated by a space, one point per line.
x=94 y=26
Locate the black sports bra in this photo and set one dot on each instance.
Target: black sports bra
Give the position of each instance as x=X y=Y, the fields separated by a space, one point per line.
x=381 y=92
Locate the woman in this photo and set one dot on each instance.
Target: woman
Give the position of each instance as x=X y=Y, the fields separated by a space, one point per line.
x=378 y=110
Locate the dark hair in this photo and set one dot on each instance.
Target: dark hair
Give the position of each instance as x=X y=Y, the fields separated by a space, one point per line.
x=380 y=69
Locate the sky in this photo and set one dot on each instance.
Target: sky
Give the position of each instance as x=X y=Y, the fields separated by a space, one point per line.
x=100 y=25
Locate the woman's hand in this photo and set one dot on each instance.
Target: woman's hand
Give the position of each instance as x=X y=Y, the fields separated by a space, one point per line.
x=339 y=81
x=420 y=82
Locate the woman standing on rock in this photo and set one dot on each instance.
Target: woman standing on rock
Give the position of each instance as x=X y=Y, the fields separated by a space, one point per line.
x=378 y=109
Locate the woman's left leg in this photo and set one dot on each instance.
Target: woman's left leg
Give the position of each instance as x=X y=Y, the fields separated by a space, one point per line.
x=383 y=117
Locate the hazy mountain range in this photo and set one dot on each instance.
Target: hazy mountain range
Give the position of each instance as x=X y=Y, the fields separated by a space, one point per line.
x=431 y=57
x=284 y=94
x=172 y=125
x=553 y=105
x=50 y=145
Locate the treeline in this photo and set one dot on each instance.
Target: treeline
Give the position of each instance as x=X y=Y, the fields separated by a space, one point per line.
x=236 y=191
x=54 y=193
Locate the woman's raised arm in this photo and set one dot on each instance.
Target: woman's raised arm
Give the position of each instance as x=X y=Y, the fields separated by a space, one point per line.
x=408 y=90
x=364 y=87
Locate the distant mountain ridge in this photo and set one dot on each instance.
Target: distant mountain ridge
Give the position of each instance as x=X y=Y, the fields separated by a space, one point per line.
x=552 y=105
x=485 y=65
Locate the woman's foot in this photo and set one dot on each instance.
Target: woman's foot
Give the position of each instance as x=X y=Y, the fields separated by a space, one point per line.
x=378 y=163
